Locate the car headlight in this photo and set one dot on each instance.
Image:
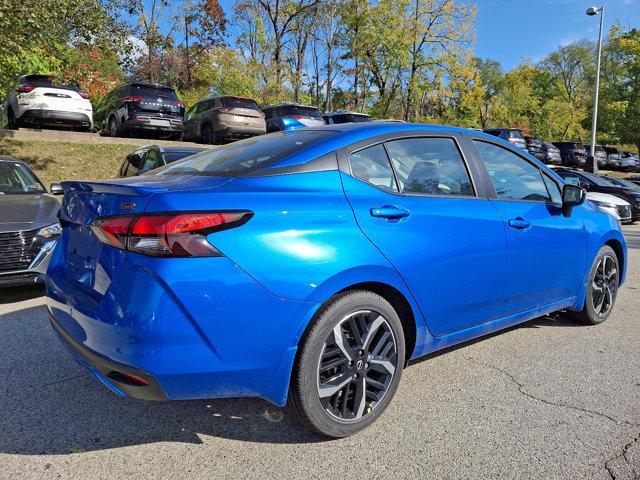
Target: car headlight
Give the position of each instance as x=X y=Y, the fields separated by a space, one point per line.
x=606 y=205
x=50 y=231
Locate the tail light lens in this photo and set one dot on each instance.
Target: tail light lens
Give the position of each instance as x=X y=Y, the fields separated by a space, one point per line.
x=132 y=99
x=25 y=88
x=295 y=117
x=84 y=95
x=167 y=234
x=177 y=103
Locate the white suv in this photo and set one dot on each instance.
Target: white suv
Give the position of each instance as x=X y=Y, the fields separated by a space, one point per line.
x=37 y=102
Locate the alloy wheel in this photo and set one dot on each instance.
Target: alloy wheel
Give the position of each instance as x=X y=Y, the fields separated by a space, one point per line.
x=357 y=365
x=604 y=285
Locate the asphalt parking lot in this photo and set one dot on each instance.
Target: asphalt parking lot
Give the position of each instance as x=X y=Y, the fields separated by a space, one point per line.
x=548 y=399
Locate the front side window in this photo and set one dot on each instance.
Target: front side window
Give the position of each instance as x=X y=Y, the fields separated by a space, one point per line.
x=371 y=165
x=429 y=166
x=512 y=176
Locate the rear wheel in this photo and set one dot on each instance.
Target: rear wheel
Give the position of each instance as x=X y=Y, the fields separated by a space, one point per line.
x=602 y=288
x=206 y=135
x=349 y=365
x=113 y=127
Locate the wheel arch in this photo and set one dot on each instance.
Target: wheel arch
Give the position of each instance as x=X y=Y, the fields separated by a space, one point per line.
x=620 y=254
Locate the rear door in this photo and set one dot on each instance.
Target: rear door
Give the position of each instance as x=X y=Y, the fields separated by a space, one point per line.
x=429 y=217
x=546 y=250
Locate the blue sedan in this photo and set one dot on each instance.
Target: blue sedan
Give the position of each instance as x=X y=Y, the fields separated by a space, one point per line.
x=308 y=267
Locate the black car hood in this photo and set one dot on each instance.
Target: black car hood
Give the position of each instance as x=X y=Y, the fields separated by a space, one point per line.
x=27 y=211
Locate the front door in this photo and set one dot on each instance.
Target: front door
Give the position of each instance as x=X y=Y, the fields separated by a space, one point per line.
x=546 y=250
x=424 y=215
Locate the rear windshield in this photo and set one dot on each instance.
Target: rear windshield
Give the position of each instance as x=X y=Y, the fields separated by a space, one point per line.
x=234 y=102
x=151 y=91
x=299 y=110
x=245 y=156
x=179 y=155
x=515 y=134
x=15 y=178
x=37 y=80
x=350 y=118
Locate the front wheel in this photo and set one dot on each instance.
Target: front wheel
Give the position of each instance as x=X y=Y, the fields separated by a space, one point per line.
x=349 y=365
x=602 y=288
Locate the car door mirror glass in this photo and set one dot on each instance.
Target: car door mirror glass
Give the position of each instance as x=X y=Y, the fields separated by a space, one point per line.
x=572 y=196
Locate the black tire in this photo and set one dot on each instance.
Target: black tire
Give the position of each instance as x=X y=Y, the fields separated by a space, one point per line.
x=372 y=375
x=12 y=122
x=114 y=131
x=206 y=135
x=604 y=279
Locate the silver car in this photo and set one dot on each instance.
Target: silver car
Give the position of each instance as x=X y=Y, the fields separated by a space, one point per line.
x=29 y=224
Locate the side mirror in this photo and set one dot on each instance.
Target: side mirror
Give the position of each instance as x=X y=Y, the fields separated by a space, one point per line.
x=56 y=189
x=572 y=196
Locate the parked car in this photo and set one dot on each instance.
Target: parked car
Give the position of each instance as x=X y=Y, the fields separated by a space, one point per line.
x=345 y=117
x=308 y=267
x=613 y=205
x=600 y=155
x=595 y=183
x=149 y=158
x=28 y=224
x=38 y=101
x=551 y=154
x=218 y=119
x=614 y=160
x=307 y=115
x=511 y=135
x=534 y=147
x=573 y=154
x=629 y=162
x=140 y=108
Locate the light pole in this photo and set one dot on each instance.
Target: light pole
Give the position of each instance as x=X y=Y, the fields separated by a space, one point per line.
x=594 y=123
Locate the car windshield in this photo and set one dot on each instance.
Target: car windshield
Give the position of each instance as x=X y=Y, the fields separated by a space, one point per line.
x=151 y=91
x=236 y=102
x=598 y=180
x=238 y=158
x=515 y=134
x=15 y=178
x=624 y=183
x=171 y=157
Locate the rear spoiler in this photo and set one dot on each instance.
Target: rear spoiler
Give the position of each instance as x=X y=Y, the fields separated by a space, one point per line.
x=109 y=187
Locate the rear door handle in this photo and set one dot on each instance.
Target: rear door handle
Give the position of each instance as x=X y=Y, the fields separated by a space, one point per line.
x=519 y=223
x=389 y=212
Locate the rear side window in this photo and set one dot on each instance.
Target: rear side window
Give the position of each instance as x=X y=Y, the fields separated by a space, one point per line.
x=512 y=176
x=430 y=166
x=371 y=165
x=150 y=91
x=234 y=102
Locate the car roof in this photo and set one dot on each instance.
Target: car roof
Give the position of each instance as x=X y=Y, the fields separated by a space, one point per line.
x=148 y=84
x=5 y=158
x=276 y=105
x=342 y=112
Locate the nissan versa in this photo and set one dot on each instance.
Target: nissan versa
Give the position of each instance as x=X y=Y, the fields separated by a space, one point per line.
x=307 y=267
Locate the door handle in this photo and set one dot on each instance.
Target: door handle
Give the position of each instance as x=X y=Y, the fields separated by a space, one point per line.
x=389 y=212
x=519 y=223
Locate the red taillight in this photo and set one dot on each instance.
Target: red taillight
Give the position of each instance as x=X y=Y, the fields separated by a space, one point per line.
x=84 y=95
x=177 y=103
x=167 y=235
x=295 y=117
x=25 y=88
x=132 y=99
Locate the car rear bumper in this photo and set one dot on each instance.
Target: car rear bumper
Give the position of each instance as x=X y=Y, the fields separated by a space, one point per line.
x=36 y=116
x=225 y=131
x=153 y=124
x=212 y=335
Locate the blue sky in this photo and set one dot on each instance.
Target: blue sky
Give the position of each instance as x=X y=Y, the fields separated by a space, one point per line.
x=509 y=31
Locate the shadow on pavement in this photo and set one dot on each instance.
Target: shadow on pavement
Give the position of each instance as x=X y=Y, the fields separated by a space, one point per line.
x=632 y=238
x=51 y=405
x=19 y=294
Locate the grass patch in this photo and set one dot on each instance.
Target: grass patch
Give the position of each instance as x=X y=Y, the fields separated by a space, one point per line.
x=54 y=161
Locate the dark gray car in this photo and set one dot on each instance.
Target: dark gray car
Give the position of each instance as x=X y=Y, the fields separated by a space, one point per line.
x=29 y=224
